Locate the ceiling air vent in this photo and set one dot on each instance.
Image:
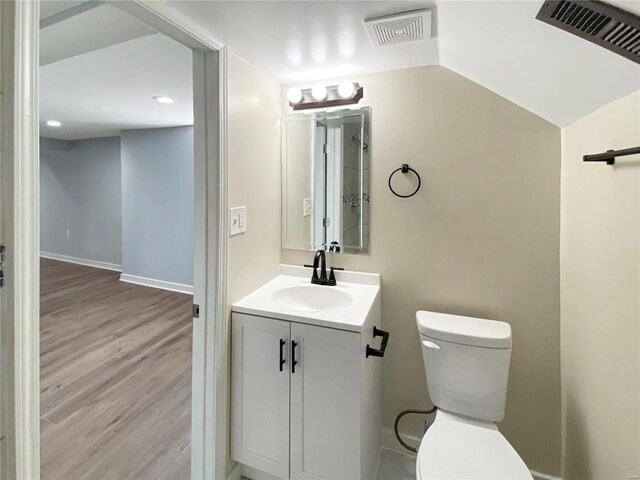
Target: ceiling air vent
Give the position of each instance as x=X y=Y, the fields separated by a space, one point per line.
x=399 y=28
x=600 y=23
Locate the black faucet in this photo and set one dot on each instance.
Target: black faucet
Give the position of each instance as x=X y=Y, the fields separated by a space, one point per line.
x=320 y=258
x=320 y=261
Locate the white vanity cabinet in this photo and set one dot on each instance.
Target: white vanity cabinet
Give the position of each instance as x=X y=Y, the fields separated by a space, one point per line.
x=260 y=393
x=305 y=399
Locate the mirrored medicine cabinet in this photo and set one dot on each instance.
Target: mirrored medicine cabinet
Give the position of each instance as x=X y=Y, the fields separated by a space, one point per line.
x=325 y=181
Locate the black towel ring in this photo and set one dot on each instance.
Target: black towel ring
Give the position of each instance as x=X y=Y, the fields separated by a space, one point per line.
x=404 y=169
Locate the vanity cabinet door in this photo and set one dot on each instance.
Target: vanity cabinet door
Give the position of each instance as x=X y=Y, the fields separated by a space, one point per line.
x=260 y=392
x=325 y=404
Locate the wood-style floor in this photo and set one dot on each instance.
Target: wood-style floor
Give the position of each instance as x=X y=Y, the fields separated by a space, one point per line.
x=115 y=376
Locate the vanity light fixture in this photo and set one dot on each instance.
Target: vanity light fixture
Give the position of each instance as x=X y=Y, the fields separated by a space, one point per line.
x=54 y=123
x=161 y=99
x=321 y=96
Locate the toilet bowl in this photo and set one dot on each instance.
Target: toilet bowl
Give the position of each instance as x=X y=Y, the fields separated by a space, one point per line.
x=466 y=363
x=456 y=447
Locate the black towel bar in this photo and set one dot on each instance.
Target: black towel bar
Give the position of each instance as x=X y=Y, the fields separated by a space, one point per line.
x=610 y=155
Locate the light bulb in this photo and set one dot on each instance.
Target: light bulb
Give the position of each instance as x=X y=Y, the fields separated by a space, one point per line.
x=54 y=123
x=294 y=94
x=319 y=92
x=346 y=89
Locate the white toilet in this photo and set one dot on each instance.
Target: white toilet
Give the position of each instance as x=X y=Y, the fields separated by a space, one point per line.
x=466 y=361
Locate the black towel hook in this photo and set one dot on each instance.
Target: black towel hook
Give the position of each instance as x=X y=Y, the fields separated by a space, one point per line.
x=404 y=169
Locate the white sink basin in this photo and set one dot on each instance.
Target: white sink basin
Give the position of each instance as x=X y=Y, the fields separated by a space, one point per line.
x=312 y=298
x=291 y=297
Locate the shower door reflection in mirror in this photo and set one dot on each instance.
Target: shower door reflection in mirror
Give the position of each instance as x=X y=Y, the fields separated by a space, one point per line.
x=325 y=181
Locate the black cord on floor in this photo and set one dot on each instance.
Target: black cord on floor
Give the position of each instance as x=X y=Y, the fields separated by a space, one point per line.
x=402 y=414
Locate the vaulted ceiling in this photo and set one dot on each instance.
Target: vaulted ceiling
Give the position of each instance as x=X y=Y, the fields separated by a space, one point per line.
x=498 y=44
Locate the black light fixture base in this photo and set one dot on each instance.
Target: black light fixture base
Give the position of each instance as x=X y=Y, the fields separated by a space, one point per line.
x=333 y=99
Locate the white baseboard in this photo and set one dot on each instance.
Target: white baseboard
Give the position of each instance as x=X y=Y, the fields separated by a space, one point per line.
x=82 y=261
x=389 y=441
x=236 y=473
x=150 y=282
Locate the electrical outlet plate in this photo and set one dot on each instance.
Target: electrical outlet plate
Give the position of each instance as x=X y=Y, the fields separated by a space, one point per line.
x=237 y=220
x=306 y=207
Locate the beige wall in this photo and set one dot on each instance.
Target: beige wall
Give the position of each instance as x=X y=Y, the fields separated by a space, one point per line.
x=600 y=271
x=254 y=178
x=481 y=238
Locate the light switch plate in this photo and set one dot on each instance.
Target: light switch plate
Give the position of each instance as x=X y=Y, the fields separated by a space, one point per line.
x=306 y=207
x=237 y=220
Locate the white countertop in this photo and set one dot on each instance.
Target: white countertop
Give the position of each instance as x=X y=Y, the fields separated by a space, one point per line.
x=363 y=288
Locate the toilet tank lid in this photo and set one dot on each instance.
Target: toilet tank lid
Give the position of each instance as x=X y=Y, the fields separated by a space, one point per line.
x=465 y=330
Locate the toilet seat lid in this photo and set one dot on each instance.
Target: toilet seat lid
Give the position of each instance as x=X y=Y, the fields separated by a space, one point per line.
x=476 y=332
x=459 y=448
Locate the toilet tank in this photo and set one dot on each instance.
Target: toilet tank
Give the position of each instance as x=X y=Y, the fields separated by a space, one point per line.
x=466 y=361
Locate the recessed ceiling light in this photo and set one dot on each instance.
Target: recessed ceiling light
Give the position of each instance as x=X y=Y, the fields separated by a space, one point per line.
x=54 y=123
x=161 y=99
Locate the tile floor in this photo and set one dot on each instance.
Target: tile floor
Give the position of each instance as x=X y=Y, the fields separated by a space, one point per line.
x=396 y=466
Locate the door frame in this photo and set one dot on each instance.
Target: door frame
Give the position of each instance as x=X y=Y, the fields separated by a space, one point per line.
x=20 y=231
x=19 y=204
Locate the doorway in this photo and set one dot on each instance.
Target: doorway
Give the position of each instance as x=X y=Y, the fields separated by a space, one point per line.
x=116 y=246
x=19 y=163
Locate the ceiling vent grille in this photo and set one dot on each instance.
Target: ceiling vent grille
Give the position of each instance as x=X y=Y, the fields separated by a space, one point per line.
x=600 y=23
x=399 y=28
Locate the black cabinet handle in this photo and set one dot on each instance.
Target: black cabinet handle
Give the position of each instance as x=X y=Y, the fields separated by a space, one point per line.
x=383 y=346
x=282 y=342
x=294 y=362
